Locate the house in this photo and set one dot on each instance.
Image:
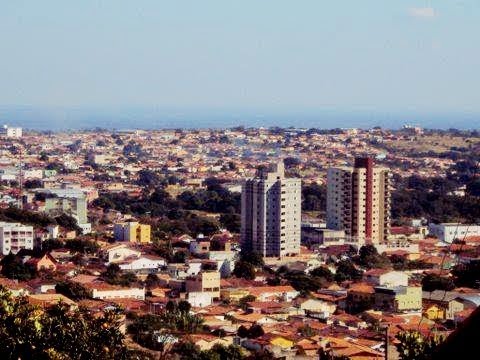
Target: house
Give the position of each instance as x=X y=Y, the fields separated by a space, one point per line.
x=265 y=293
x=398 y=299
x=445 y=302
x=199 y=247
x=360 y=297
x=433 y=312
x=233 y=294
x=206 y=342
x=46 y=262
x=48 y=300
x=144 y=264
x=349 y=349
x=104 y=291
x=14 y=287
x=101 y=290
x=389 y=278
x=133 y=232
x=317 y=307
x=199 y=298
x=119 y=252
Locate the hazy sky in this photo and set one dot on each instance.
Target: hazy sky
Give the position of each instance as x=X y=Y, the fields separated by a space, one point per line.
x=385 y=55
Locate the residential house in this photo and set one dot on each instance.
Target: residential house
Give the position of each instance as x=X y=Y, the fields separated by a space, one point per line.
x=398 y=299
x=388 y=278
x=119 y=253
x=445 y=301
x=133 y=232
x=146 y=264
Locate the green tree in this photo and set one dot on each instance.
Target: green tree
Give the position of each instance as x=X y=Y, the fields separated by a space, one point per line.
x=14 y=268
x=72 y=290
x=27 y=332
x=322 y=272
x=346 y=271
x=431 y=282
x=244 y=270
x=414 y=346
x=252 y=257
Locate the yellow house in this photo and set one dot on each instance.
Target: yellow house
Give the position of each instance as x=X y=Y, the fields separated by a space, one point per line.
x=282 y=342
x=132 y=232
x=434 y=312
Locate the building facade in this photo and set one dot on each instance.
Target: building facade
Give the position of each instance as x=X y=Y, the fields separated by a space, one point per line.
x=132 y=232
x=271 y=213
x=14 y=237
x=205 y=282
x=358 y=201
x=448 y=232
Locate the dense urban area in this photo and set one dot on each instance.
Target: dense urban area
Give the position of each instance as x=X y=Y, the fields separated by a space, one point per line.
x=240 y=243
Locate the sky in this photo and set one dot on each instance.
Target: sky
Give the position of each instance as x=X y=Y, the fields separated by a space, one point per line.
x=304 y=55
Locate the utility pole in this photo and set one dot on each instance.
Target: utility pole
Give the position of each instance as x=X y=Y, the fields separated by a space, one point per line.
x=20 y=179
x=386 y=341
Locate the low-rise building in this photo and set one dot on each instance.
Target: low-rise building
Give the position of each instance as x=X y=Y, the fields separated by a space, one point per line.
x=398 y=299
x=206 y=281
x=388 y=278
x=448 y=232
x=143 y=264
x=119 y=252
x=132 y=232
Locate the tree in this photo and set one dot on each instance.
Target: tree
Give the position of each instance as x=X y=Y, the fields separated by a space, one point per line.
x=473 y=188
x=414 y=346
x=72 y=290
x=252 y=257
x=347 y=271
x=431 y=282
x=244 y=270
x=304 y=283
x=322 y=272
x=14 y=268
x=242 y=332
x=113 y=275
x=231 y=222
x=314 y=197
x=370 y=258
x=152 y=281
x=467 y=274
x=68 y=222
x=28 y=332
x=33 y=184
x=243 y=302
x=184 y=307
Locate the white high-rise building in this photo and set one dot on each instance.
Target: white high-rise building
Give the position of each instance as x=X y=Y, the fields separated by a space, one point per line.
x=358 y=201
x=15 y=237
x=12 y=132
x=271 y=213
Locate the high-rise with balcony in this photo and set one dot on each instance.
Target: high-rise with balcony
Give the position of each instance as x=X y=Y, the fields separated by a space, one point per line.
x=271 y=213
x=358 y=201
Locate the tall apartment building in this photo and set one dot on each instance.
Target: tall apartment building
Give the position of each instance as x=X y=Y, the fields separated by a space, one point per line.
x=14 y=237
x=72 y=202
x=132 y=232
x=271 y=213
x=12 y=132
x=358 y=201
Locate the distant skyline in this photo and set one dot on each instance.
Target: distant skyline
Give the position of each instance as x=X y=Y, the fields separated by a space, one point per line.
x=373 y=58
